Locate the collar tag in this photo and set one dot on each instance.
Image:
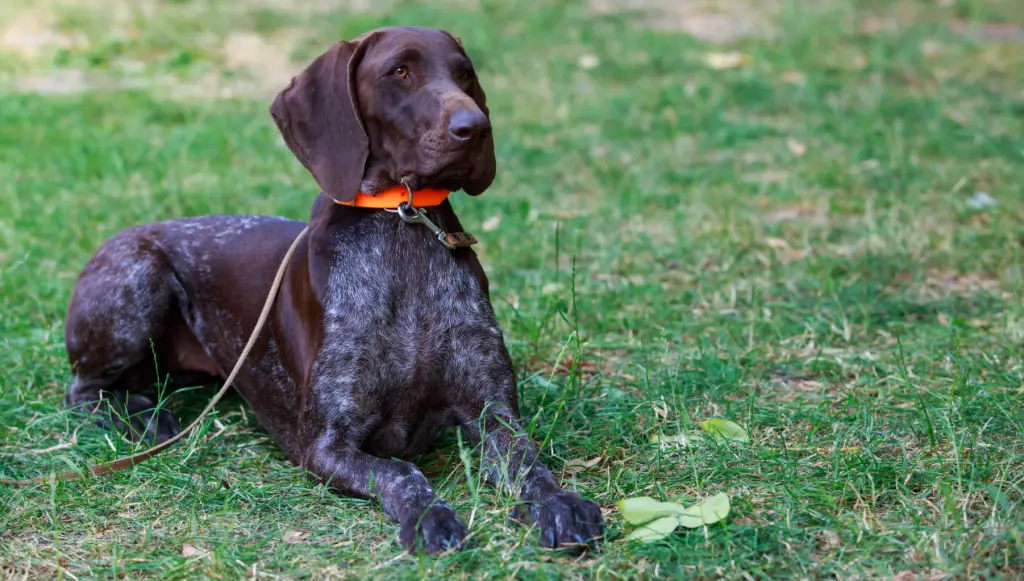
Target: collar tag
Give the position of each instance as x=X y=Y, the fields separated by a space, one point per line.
x=455 y=240
x=450 y=240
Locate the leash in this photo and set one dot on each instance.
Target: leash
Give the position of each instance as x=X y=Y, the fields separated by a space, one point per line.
x=129 y=461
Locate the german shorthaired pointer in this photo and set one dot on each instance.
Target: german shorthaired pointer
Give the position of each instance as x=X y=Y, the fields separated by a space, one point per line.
x=379 y=337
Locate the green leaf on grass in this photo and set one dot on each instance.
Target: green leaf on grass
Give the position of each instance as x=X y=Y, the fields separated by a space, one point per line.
x=708 y=512
x=727 y=429
x=656 y=520
x=644 y=509
x=655 y=530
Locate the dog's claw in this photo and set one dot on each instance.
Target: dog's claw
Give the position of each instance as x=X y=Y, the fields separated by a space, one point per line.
x=453 y=543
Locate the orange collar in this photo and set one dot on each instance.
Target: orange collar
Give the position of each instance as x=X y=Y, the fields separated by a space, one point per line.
x=391 y=198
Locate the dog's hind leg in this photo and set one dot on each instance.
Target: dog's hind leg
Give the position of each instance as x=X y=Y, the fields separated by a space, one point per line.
x=116 y=317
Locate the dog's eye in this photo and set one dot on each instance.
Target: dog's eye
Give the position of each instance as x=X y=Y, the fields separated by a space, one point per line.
x=465 y=76
x=400 y=72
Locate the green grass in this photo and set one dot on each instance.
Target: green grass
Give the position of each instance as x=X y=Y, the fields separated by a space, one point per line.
x=787 y=244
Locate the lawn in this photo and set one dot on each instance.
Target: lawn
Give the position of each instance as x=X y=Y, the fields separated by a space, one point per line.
x=807 y=218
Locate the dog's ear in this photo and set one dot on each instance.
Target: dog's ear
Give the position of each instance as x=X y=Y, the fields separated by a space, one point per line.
x=475 y=187
x=318 y=116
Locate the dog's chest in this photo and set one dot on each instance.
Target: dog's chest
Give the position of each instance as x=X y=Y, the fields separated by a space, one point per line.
x=399 y=312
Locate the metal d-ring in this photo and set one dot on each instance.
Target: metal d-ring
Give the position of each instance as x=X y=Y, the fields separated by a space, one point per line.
x=406 y=210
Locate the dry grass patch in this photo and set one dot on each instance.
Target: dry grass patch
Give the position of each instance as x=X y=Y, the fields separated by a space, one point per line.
x=716 y=21
x=61 y=47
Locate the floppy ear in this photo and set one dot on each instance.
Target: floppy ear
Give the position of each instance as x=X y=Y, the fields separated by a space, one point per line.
x=475 y=187
x=318 y=116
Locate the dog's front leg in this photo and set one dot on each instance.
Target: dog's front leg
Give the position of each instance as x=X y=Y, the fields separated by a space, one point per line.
x=510 y=461
x=402 y=490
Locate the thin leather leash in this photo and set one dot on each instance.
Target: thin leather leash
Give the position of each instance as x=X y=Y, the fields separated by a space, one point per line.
x=129 y=461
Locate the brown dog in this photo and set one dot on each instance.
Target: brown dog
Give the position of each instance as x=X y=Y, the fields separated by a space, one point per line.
x=379 y=337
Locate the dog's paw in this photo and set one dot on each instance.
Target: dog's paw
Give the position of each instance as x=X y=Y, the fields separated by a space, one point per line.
x=434 y=530
x=154 y=426
x=567 y=520
x=136 y=417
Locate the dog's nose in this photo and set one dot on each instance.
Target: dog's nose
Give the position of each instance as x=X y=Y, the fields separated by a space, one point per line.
x=466 y=124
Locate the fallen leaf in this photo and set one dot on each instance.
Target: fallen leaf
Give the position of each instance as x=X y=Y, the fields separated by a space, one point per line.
x=580 y=463
x=727 y=429
x=293 y=537
x=655 y=530
x=656 y=520
x=796 y=147
x=491 y=224
x=644 y=509
x=725 y=60
x=708 y=512
x=188 y=551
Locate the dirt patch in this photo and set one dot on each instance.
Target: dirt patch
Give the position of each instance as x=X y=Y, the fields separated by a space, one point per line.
x=992 y=31
x=61 y=82
x=265 y=60
x=945 y=283
x=229 y=60
x=34 y=34
x=715 y=21
x=259 y=66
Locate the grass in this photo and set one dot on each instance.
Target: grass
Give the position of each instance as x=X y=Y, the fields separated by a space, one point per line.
x=790 y=244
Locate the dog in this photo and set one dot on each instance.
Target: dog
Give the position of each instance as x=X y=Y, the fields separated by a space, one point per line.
x=379 y=337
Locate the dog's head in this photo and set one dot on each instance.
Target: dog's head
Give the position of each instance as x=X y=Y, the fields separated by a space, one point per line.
x=395 y=104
